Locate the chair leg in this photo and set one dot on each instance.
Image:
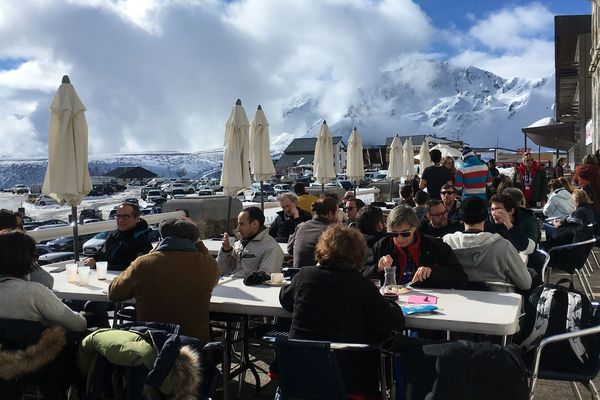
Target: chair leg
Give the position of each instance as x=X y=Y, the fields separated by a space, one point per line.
x=585 y=284
x=589 y=285
x=576 y=390
x=592 y=388
x=595 y=257
x=532 y=386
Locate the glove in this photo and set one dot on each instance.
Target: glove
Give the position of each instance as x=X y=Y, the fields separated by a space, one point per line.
x=256 y=278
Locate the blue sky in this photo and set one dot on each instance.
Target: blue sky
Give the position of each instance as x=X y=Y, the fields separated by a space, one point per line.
x=144 y=68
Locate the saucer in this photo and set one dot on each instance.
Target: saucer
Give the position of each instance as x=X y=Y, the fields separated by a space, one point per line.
x=284 y=283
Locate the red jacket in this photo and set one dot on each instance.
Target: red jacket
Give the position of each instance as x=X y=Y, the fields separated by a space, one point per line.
x=589 y=174
x=527 y=188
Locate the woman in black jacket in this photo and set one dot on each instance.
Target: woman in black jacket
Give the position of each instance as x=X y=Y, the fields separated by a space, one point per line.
x=424 y=260
x=334 y=302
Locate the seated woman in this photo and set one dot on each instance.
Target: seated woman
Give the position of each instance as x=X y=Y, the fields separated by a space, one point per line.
x=370 y=221
x=424 y=260
x=304 y=240
x=333 y=301
x=577 y=227
x=560 y=203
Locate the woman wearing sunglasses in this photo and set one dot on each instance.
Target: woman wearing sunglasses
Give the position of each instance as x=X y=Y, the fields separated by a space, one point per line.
x=421 y=259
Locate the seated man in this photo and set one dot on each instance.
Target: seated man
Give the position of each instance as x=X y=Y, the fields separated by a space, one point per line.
x=420 y=199
x=288 y=219
x=352 y=207
x=127 y=242
x=436 y=222
x=448 y=194
x=255 y=251
x=370 y=221
x=486 y=257
x=406 y=195
x=174 y=283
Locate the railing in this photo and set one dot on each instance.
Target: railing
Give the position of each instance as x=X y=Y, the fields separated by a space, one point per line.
x=94 y=227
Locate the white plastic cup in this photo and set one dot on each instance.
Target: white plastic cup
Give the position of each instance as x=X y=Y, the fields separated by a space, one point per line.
x=101 y=267
x=71 y=272
x=276 y=278
x=84 y=275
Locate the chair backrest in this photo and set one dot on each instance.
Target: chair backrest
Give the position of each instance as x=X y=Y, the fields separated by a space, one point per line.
x=571 y=257
x=308 y=370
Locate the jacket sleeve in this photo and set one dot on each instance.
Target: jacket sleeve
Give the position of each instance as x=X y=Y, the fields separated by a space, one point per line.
x=550 y=206
x=291 y=241
x=123 y=286
x=53 y=310
x=370 y=270
x=272 y=259
x=286 y=294
x=520 y=241
x=515 y=269
x=274 y=227
x=226 y=261
x=448 y=273
x=39 y=275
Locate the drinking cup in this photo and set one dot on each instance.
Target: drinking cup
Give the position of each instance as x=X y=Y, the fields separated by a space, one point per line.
x=276 y=278
x=71 y=272
x=101 y=267
x=84 y=275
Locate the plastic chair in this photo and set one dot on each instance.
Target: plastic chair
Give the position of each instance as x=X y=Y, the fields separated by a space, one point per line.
x=584 y=376
x=309 y=369
x=577 y=255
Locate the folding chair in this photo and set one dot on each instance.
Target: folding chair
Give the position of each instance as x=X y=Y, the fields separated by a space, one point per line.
x=309 y=369
x=584 y=375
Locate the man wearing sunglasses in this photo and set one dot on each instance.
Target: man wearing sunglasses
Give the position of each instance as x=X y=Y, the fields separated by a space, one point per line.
x=448 y=194
x=352 y=207
x=436 y=222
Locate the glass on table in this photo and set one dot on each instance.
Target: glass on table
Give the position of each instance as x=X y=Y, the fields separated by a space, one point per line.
x=101 y=267
x=84 y=275
x=71 y=270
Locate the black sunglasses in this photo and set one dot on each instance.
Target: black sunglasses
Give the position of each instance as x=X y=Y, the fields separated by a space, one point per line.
x=443 y=193
x=404 y=234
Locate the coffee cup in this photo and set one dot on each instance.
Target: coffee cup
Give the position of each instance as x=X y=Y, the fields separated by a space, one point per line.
x=101 y=267
x=276 y=277
x=71 y=270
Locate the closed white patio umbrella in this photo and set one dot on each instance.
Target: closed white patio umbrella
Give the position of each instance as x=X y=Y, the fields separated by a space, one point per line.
x=67 y=177
x=235 y=174
x=396 y=166
x=261 y=164
x=424 y=158
x=408 y=157
x=323 y=161
x=355 y=166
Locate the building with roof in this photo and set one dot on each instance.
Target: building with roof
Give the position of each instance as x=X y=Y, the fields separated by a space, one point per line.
x=128 y=174
x=300 y=154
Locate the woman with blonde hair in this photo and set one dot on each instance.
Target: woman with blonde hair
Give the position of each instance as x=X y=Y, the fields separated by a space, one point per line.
x=448 y=163
x=332 y=301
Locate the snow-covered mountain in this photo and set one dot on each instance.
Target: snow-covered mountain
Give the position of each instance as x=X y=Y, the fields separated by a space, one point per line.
x=432 y=97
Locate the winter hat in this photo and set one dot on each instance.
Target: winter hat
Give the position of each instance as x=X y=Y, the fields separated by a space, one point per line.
x=473 y=210
x=467 y=152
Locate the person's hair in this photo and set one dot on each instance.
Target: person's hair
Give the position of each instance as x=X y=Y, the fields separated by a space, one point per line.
x=560 y=159
x=448 y=158
x=516 y=194
x=299 y=188
x=502 y=186
x=8 y=219
x=429 y=204
x=406 y=191
x=401 y=215
x=506 y=200
x=473 y=210
x=358 y=203
x=581 y=197
x=589 y=159
x=435 y=155
x=255 y=214
x=289 y=196
x=179 y=228
x=447 y=186
x=555 y=184
x=492 y=160
x=17 y=253
x=136 y=209
x=368 y=219
x=349 y=195
x=341 y=246
x=566 y=184
x=420 y=197
x=325 y=205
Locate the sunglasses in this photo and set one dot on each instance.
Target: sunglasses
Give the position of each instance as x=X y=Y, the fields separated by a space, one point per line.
x=404 y=234
x=350 y=208
x=446 y=193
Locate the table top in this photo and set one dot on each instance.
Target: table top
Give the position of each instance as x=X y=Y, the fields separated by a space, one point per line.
x=489 y=313
x=214 y=246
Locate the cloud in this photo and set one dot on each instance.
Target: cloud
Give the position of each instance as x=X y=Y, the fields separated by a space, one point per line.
x=163 y=75
x=511 y=42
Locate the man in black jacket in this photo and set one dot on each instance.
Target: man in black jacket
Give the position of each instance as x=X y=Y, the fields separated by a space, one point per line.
x=288 y=219
x=436 y=222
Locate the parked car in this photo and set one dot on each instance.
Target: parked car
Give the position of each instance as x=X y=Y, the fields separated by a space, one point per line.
x=267 y=189
x=51 y=258
x=91 y=220
x=94 y=245
x=147 y=210
x=41 y=249
x=31 y=198
x=132 y=200
x=52 y=223
x=154 y=195
x=45 y=200
x=144 y=192
x=205 y=191
x=90 y=213
x=20 y=189
x=177 y=194
x=65 y=243
x=346 y=184
x=113 y=213
x=283 y=188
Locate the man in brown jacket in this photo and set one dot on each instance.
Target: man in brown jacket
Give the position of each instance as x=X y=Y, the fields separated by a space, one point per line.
x=174 y=282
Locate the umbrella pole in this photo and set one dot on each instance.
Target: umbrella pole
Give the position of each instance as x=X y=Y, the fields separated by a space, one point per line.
x=262 y=200
x=355 y=188
x=228 y=215
x=391 y=188
x=322 y=188
x=75 y=233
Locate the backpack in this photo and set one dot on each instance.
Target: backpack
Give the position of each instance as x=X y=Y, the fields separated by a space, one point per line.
x=554 y=309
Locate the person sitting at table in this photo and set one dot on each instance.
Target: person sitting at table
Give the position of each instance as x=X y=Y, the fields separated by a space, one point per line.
x=351 y=208
x=127 y=242
x=583 y=219
x=421 y=259
x=370 y=221
x=406 y=195
x=448 y=194
x=305 y=199
x=485 y=256
x=512 y=215
x=436 y=222
x=420 y=199
x=303 y=242
x=288 y=218
x=255 y=251
x=332 y=301
x=173 y=283
x=10 y=220
x=560 y=202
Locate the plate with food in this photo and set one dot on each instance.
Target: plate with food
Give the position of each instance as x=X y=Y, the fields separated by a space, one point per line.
x=282 y=283
x=396 y=289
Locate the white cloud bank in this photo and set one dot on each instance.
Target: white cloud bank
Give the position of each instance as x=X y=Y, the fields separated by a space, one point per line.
x=163 y=75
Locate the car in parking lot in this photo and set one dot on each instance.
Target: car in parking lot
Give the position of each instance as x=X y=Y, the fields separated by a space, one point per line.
x=267 y=189
x=177 y=194
x=132 y=200
x=205 y=191
x=154 y=195
x=45 y=200
x=282 y=188
x=20 y=189
x=87 y=213
x=65 y=243
x=94 y=244
x=44 y=224
x=59 y=256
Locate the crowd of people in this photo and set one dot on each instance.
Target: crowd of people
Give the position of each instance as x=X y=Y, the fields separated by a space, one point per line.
x=455 y=228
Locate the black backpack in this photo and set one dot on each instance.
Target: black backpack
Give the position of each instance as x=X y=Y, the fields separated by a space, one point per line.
x=554 y=309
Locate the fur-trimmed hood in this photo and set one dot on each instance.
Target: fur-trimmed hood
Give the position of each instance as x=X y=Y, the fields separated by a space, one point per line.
x=14 y=363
